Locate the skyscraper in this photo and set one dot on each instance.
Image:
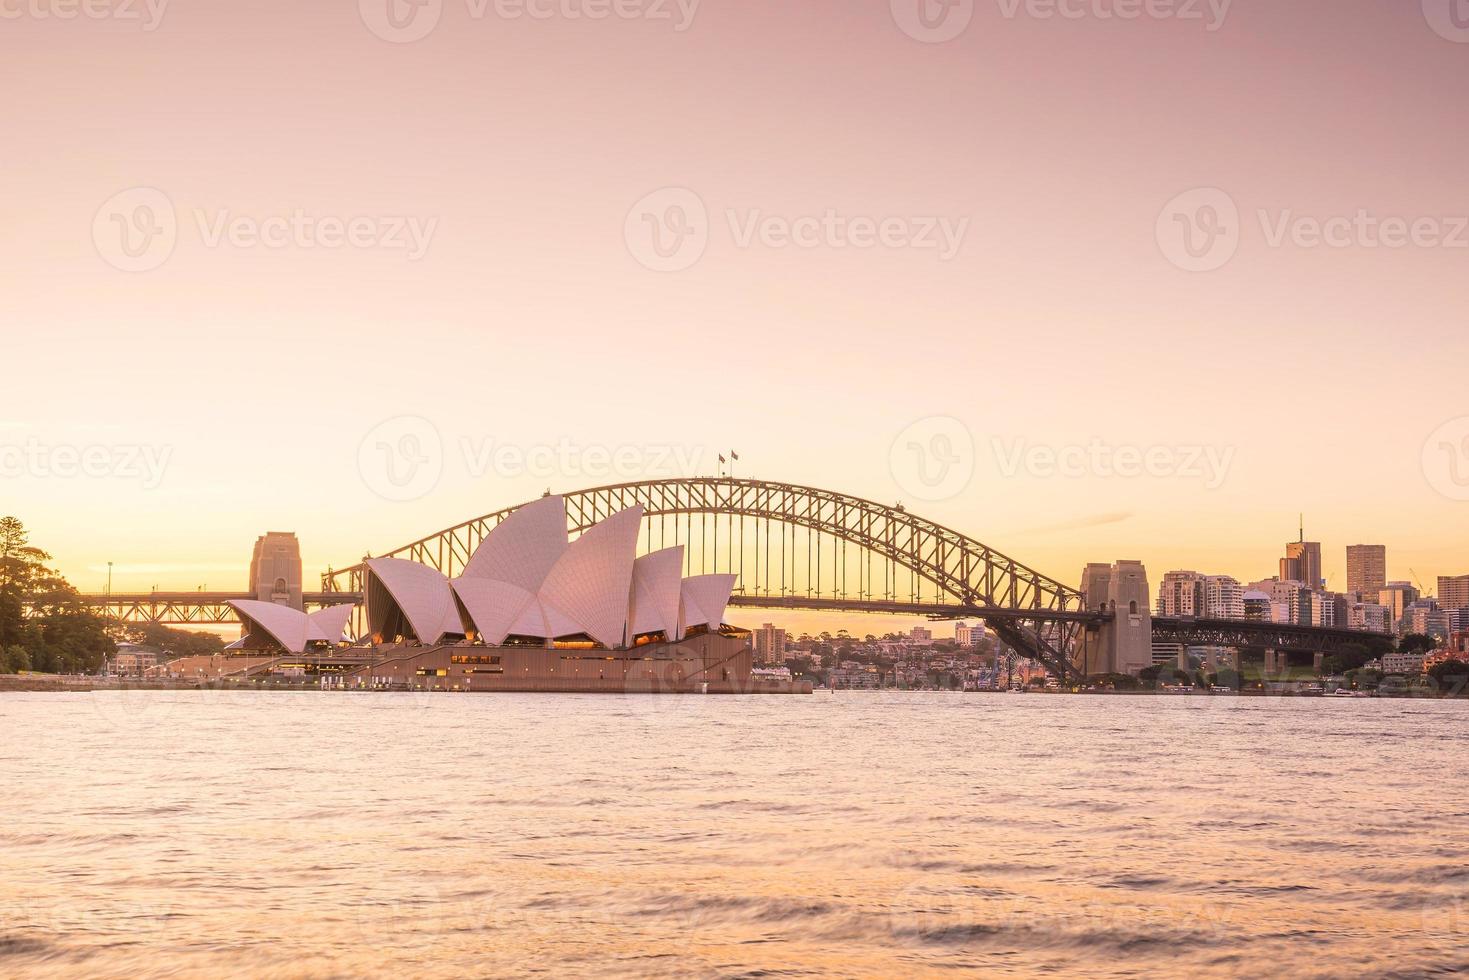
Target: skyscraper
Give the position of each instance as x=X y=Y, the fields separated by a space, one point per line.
x=1366 y=568
x=770 y=645
x=1302 y=562
x=1453 y=591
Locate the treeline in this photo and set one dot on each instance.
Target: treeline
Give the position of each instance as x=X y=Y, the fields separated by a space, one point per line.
x=60 y=634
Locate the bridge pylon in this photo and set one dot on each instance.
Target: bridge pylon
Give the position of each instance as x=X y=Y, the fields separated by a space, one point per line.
x=1123 y=643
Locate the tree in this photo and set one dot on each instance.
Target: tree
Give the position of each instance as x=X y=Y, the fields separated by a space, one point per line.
x=15 y=660
x=41 y=613
x=1450 y=676
x=1227 y=677
x=181 y=643
x=1351 y=656
x=1150 y=675
x=1416 y=643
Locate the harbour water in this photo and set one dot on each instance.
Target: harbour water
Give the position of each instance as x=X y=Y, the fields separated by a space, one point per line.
x=322 y=835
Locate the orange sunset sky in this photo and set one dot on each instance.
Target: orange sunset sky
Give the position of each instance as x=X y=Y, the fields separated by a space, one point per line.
x=585 y=233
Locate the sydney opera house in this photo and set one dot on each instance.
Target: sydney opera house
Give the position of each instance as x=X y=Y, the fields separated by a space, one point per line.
x=532 y=611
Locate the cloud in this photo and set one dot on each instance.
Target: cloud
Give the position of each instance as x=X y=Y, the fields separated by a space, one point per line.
x=1093 y=520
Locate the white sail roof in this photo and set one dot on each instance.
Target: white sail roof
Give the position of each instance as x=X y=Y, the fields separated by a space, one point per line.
x=592 y=582
x=422 y=593
x=283 y=624
x=291 y=628
x=329 y=624
x=656 y=593
x=524 y=547
x=494 y=607
x=543 y=620
x=704 y=600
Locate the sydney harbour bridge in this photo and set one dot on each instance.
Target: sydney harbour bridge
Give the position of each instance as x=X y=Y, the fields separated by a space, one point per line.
x=796 y=547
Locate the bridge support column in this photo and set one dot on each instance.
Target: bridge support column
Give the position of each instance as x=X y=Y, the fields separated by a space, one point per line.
x=1275 y=662
x=1124 y=644
x=1317 y=660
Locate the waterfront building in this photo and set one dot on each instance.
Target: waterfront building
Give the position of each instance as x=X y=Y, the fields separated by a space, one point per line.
x=770 y=645
x=1167 y=654
x=133 y=660
x=1399 y=662
x=527 y=583
x=271 y=626
x=1366 y=568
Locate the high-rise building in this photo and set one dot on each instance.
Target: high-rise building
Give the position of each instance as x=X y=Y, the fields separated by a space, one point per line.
x=1302 y=562
x=921 y=634
x=1453 y=591
x=1425 y=616
x=1290 y=600
x=1368 y=616
x=969 y=636
x=770 y=645
x=1397 y=597
x=1224 y=597
x=1181 y=593
x=1257 y=606
x=1366 y=568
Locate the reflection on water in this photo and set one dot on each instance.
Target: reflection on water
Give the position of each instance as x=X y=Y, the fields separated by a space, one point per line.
x=302 y=835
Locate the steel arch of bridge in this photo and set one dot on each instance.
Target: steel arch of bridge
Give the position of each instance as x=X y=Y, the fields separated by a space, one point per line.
x=1037 y=615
